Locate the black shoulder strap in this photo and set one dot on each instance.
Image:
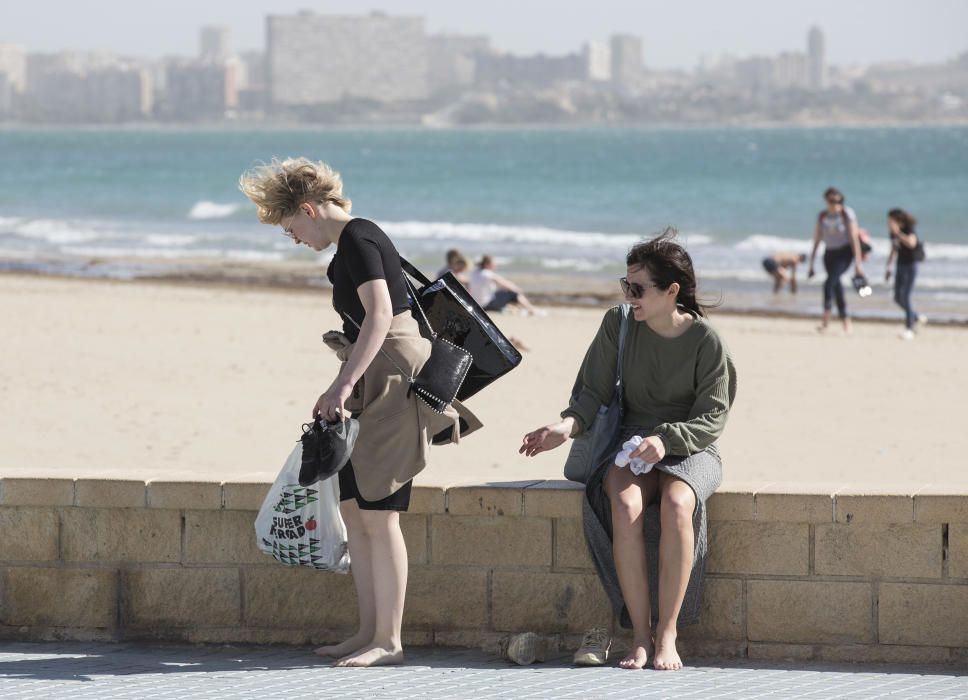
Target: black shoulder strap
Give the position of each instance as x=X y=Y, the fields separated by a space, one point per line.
x=413 y=271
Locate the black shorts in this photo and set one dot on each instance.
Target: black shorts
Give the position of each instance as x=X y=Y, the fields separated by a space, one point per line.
x=769 y=264
x=502 y=298
x=399 y=500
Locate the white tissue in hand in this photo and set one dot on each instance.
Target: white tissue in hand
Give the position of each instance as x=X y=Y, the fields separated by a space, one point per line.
x=637 y=465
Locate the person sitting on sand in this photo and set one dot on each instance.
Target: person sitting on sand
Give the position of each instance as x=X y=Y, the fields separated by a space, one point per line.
x=494 y=292
x=777 y=266
x=458 y=265
x=679 y=384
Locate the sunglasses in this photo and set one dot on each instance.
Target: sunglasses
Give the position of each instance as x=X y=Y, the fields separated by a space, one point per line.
x=834 y=200
x=633 y=290
x=287 y=229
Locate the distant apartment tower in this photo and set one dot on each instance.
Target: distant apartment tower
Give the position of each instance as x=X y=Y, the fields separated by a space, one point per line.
x=791 y=70
x=13 y=64
x=319 y=59
x=598 y=61
x=537 y=71
x=101 y=94
x=214 y=43
x=627 y=65
x=816 y=58
x=452 y=59
x=13 y=78
x=200 y=90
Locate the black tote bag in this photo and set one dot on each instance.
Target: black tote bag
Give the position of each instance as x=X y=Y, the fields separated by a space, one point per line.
x=456 y=317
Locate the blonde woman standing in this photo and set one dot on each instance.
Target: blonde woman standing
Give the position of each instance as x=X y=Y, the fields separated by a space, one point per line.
x=382 y=342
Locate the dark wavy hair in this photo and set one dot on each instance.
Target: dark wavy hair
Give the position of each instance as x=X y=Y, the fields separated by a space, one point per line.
x=903 y=219
x=668 y=262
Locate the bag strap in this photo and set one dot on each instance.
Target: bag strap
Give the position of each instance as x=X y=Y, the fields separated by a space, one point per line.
x=404 y=372
x=412 y=291
x=413 y=271
x=416 y=300
x=623 y=331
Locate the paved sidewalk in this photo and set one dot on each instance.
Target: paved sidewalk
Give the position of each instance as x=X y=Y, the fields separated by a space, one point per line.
x=78 y=670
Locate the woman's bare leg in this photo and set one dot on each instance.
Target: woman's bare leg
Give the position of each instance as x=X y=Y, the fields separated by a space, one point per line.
x=629 y=495
x=388 y=557
x=360 y=563
x=676 y=548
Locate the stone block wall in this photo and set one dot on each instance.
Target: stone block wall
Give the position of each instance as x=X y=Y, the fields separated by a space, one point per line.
x=829 y=575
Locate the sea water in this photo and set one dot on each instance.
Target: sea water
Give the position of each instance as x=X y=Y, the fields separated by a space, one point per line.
x=565 y=201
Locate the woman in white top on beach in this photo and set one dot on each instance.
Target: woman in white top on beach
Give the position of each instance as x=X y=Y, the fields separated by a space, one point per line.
x=494 y=292
x=837 y=228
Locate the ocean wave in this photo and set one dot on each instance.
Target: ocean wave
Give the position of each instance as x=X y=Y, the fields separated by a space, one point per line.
x=881 y=247
x=945 y=251
x=50 y=230
x=169 y=240
x=212 y=210
x=578 y=264
x=498 y=233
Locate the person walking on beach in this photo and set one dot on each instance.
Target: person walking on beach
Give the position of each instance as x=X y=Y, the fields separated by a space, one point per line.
x=837 y=229
x=646 y=527
x=907 y=249
x=494 y=292
x=382 y=343
x=782 y=267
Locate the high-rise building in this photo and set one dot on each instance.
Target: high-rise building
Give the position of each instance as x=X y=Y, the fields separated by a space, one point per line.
x=13 y=78
x=321 y=59
x=452 y=59
x=102 y=94
x=214 y=43
x=791 y=70
x=201 y=90
x=598 y=61
x=816 y=58
x=627 y=65
x=13 y=64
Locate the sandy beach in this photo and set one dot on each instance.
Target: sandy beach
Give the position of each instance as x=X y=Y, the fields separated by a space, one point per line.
x=169 y=381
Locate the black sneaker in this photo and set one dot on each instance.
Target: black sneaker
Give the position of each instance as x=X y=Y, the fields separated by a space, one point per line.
x=326 y=448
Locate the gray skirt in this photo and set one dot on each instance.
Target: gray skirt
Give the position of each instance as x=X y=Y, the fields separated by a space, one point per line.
x=703 y=472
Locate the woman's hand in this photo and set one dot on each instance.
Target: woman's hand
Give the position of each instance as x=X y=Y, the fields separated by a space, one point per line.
x=651 y=451
x=330 y=406
x=547 y=438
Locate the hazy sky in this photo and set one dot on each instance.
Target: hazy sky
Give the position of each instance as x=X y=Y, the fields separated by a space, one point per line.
x=676 y=32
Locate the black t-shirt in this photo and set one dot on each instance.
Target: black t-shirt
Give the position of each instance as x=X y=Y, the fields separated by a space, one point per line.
x=905 y=255
x=364 y=253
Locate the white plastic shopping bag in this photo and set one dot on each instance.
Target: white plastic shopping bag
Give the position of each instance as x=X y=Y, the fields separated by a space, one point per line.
x=301 y=525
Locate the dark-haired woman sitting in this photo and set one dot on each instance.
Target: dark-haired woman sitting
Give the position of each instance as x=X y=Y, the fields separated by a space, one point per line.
x=679 y=384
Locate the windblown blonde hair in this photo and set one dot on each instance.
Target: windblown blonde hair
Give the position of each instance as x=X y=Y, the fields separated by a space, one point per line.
x=278 y=188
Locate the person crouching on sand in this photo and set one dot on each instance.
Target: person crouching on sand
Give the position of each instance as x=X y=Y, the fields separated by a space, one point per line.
x=679 y=383
x=782 y=267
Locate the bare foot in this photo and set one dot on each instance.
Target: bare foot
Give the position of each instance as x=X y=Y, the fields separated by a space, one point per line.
x=373 y=655
x=666 y=656
x=638 y=657
x=347 y=646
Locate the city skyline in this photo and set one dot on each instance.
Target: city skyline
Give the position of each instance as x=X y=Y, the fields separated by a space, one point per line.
x=859 y=32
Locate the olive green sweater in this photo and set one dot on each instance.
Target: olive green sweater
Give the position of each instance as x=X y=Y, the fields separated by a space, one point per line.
x=679 y=389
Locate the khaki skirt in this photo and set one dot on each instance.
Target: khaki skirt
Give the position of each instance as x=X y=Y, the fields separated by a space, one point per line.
x=396 y=429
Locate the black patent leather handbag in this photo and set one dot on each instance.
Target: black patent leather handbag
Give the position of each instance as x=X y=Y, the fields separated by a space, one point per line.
x=447 y=305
